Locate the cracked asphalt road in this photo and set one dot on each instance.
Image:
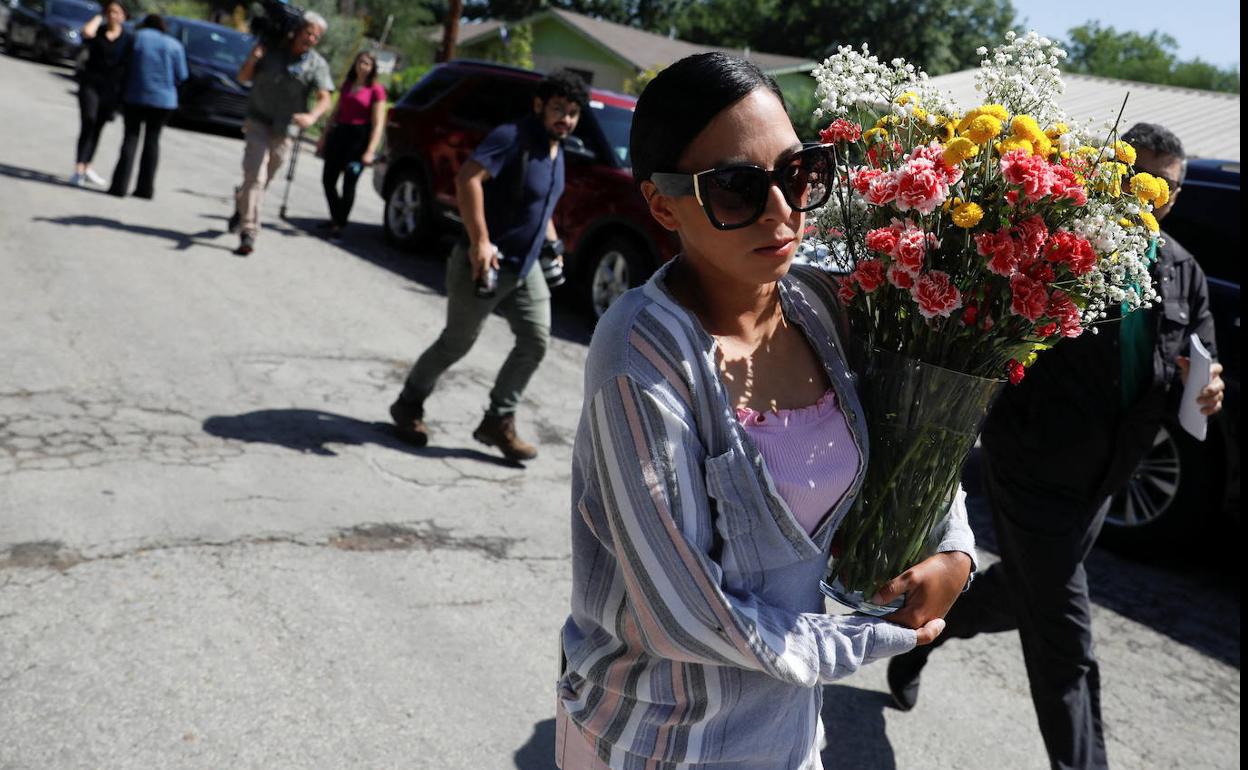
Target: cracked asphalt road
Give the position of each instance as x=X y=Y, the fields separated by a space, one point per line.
x=213 y=553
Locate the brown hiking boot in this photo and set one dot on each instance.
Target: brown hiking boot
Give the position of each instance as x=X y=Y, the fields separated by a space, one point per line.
x=501 y=432
x=408 y=424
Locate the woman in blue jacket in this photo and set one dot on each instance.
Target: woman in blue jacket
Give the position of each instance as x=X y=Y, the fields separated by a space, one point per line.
x=157 y=67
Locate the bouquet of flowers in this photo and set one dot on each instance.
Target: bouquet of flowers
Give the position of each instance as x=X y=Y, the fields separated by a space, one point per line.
x=970 y=241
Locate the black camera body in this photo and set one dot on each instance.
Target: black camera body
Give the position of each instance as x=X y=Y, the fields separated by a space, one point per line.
x=277 y=23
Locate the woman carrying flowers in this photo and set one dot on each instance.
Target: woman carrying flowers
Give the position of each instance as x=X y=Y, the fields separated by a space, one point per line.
x=720 y=446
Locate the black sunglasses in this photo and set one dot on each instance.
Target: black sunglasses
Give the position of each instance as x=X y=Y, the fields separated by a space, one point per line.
x=735 y=196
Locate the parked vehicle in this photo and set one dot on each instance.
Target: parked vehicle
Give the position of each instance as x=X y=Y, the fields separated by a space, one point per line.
x=613 y=244
x=214 y=54
x=1184 y=486
x=6 y=11
x=48 y=30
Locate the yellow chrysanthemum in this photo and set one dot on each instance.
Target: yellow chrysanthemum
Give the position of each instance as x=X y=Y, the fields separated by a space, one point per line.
x=1146 y=187
x=1125 y=222
x=1025 y=127
x=1042 y=146
x=1124 y=152
x=946 y=128
x=960 y=149
x=873 y=135
x=1014 y=143
x=886 y=121
x=1056 y=130
x=992 y=110
x=981 y=130
x=967 y=215
x=1163 y=193
x=1150 y=221
x=919 y=113
x=907 y=97
x=951 y=203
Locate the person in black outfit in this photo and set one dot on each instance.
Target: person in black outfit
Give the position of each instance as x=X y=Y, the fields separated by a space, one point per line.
x=100 y=81
x=156 y=67
x=351 y=142
x=1055 y=448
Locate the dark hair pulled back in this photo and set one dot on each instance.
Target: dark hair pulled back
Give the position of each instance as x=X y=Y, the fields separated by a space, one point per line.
x=153 y=21
x=680 y=102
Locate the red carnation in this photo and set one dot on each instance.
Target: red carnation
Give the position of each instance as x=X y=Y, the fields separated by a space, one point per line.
x=920 y=186
x=936 y=294
x=1031 y=233
x=869 y=274
x=971 y=314
x=1001 y=251
x=882 y=189
x=1066 y=185
x=1069 y=249
x=1029 y=297
x=861 y=178
x=845 y=289
x=1016 y=371
x=1030 y=172
x=900 y=277
x=911 y=248
x=841 y=130
x=883 y=240
x=1066 y=312
x=1046 y=330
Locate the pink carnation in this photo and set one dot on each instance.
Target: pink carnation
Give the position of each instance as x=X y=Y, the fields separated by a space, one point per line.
x=883 y=188
x=920 y=186
x=869 y=273
x=841 y=130
x=1029 y=299
x=1001 y=251
x=911 y=249
x=845 y=289
x=936 y=154
x=1066 y=186
x=1030 y=172
x=936 y=294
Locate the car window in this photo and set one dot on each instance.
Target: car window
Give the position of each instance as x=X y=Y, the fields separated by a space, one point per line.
x=431 y=87
x=491 y=101
x=615 y=123
x=76 y=12
x=1205 y=220
x=218 y=46
x=34 y=5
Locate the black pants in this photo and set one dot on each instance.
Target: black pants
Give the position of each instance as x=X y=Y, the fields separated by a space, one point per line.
x=343 y=148
x=148 y=120
x=95 y=108
x=1040 y=587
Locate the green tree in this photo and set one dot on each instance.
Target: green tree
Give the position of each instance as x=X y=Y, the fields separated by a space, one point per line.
x=938 y=35
x=1152 y=58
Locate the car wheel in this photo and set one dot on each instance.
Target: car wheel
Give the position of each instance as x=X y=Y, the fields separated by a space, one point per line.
x=615 y=266
x=407 y=210
x=1164 y=501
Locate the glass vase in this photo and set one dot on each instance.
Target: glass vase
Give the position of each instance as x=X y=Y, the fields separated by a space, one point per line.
x=922 y=422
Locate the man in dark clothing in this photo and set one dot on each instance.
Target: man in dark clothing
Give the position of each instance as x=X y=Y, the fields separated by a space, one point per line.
x=1054 y=450
x=506 y=192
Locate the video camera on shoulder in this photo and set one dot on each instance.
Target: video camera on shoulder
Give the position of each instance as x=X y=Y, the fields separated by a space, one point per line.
x=276 y=23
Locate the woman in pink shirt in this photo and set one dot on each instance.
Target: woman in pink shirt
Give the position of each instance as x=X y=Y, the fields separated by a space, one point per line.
x=354 y=133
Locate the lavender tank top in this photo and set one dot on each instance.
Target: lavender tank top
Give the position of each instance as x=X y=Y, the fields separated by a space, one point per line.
x=809 y=453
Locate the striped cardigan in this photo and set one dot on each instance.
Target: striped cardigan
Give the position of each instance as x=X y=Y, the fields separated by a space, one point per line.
x=697 y=637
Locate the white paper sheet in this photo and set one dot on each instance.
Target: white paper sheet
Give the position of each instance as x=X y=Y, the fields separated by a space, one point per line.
x=1198 y=376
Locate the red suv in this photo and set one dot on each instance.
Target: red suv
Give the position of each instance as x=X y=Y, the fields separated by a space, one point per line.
x=613 y=244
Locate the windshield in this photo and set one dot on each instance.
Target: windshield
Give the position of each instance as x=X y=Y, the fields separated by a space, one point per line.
x=224 y=47
x=75 y=12
x=615 y=123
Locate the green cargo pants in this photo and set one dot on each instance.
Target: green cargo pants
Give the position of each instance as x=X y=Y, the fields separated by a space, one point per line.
x=525 y=303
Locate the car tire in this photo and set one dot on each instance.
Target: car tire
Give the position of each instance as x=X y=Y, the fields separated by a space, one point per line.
x=407 y=217
x=1164 y=502
x=614 y=265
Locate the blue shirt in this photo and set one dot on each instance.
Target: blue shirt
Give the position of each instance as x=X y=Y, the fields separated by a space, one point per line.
x=157 y=66
x=516 y=217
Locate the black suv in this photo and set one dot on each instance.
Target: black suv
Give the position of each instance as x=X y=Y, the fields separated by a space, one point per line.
x=1184 y=486
x=613 y=244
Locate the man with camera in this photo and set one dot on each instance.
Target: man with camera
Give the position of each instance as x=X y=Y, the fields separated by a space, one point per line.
x=506 y=192
x=284 y=71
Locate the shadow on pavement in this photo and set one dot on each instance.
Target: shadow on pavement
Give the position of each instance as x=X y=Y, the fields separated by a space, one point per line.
x=312 y=430
x=368 y=242
x=34 y=175
x=181 y=241
x=1190 y=595
x=856 y=730
x=538 y=753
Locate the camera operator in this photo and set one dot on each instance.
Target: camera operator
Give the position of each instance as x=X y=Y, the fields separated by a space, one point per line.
x=507 y=192
x=281 y=82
